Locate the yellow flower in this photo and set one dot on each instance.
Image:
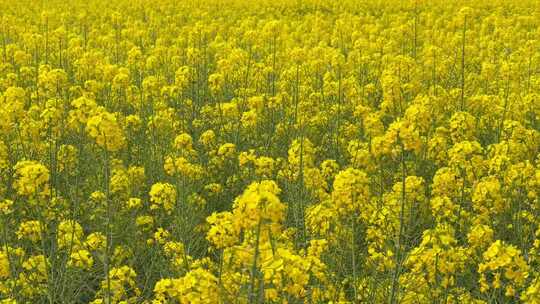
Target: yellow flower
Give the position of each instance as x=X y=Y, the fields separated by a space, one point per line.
x=69 y=234
x=30 y=230
x=95 y=241
x=5 y=269
x=162 y=195
x=183 y=142
x=6 y=207
x=31 y=179
x=105 y=130
x=351 y=191
x=197 y=286
x=500 y=259
x=81 y=259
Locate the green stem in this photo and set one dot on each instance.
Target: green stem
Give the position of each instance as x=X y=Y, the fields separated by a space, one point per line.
x=397 y=269
x=252 y=295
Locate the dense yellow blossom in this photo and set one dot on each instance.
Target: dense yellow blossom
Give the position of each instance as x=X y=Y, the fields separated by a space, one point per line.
x=31 y=178
x=504 y=263
x=30 y=230
x=163 y=195
x=4 y=265
x=104 y=128
x=197 y=286
x=351 y=191
x=81 y=259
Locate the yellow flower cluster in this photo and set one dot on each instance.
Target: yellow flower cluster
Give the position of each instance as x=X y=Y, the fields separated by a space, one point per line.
x=31 y=179
x=163 y=195
x=104 y=128
x=120 y=287
x=197 y=286
x=505 y=265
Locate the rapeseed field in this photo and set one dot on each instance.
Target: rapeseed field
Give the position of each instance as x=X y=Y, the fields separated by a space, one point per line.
x=269 y=151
